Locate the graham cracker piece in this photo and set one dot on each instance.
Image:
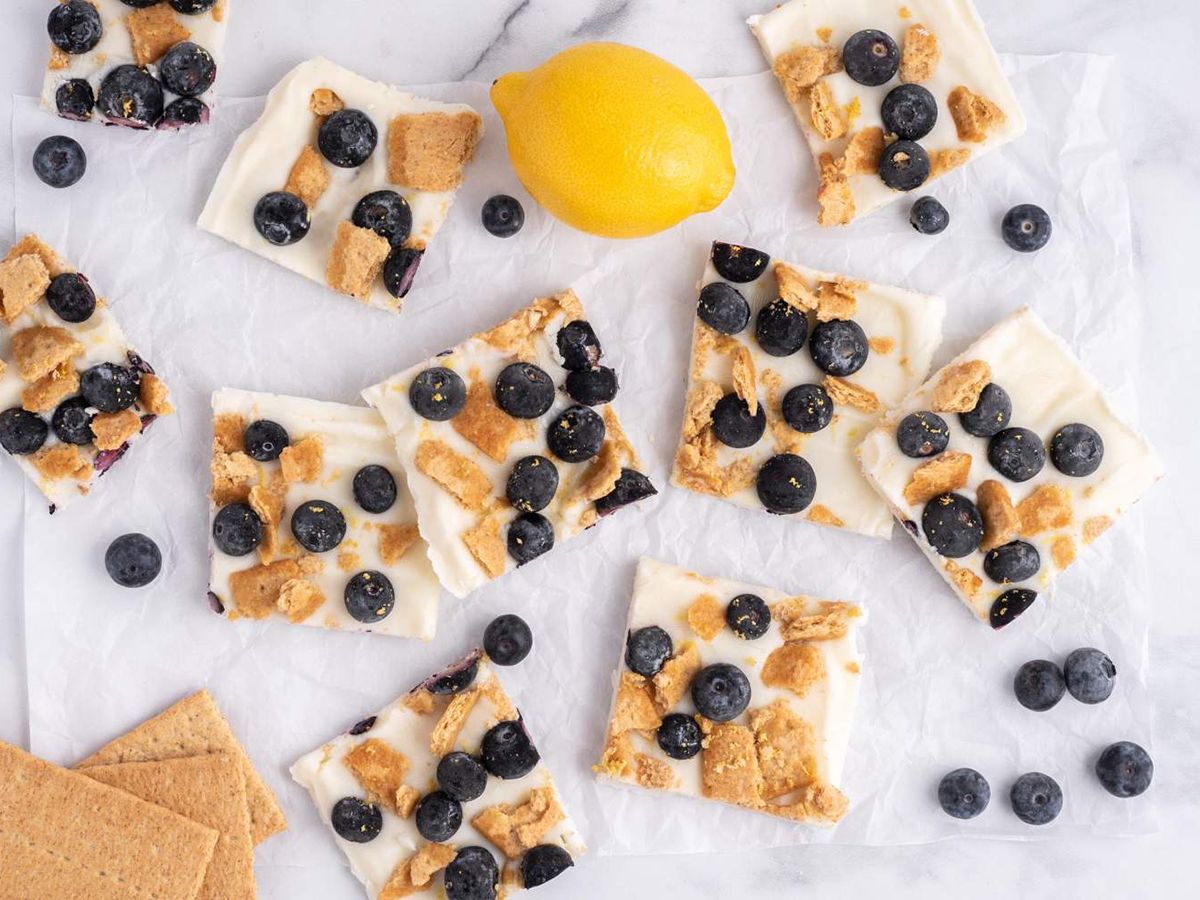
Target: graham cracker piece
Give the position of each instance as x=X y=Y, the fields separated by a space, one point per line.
x=406 y=800
x=847 y=393
x=32 y=245
x=882 y=345
x=706 y=616
x=674 y=679
x=59 y=59
x=602 y=473
x=974 y=114
x=486 y=546
x=825 y=33
x=958 y=387
x=256 y=591
x=228 y=433
x=696 y=468
x=40 y=349
x=1000 y=521
x=617 y=760
x=303 y=460
x=946 y=472
x=799 y=69
x=299 y=598
x=515 y=334
x=232 y=475
x=195 y=727
x=1047 y=508
x=701 y=402
x=153 y=31
x=964 y=579
x=729 y=768
x=1094 y=527
x=486 y=425
x=823 y=515
x=266 y=499
x=395 y=541
x=793 y=289
x=23 y=282
x=502 y=707
x=428 y=151
x=796 y=666
x=942 y=161
x=920 y=56
x=838 y=299
x=207 y=789
x=786 y=438
x=745 y=380
x=47 y=392
x=63 y=835
x=379 y=768
x=653 y=773
x=61 y=461
x=824 y=113
x=413 y=874
x=418 y=701
x=112 y=430
x=308 y=178
x=451 y=722
x=635 y=709
x=818 y=802
x=1062 y=550
x=154 y=396
x=458 y=476
x=835 y=201
x=786 y=749
x=356 y=259
x=219 y=10
x=515 y=828
x=325 y=102
x=349 y=561
x=799 y=621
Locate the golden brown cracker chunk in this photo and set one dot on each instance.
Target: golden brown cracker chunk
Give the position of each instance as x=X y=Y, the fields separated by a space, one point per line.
x=458 y=476
x=380 y=768
x=153 y=31
x=23 y=282
x=948 y=471
x=349 y=561
x=395 y=541
x=835 y=200
x=419 y=701
x=1062 y=550
x=299 y=599
x=32 y=245
x=266 y=499
x=617 y=761
x=413 y=875
x=407 y=798
x=60 y=462
x=1000 y=521
x=502 y=707
x=800 y=621
x=786 y=749
x=40 y=349
x=1094 y=527
x=745 y=380
x=863 y=152
x=674 y=679
x=920 y=56
x=818 y=802
x=154 y=396
x=228 y=433
x=793 y=289
x=823 y=515
x=796 y=666
x=232 y=477
x=653 y=773
x=838 y=299
x=882 y=345
x=696 y=469
x=706 y=616
x=825 y=115
x=635 y=709
x=959 y=386
x=486 y=425
x=799 y=69
x=59 y=59
x=451 y=722
x=256 y=590
x=303 y=460
x=1047 y=508
x=515 y=334
x=942 y=161
x=963 y=579
x=428 y=151
x=356 y=259
x=729 y=768
x=701 y=402
x=325 y=102
x=308 y=178
x=515 y=828
x=486 y=546
x=846 y=393
x=602 y=473
x=47 y=392
x=974 y=115
x=112 y=430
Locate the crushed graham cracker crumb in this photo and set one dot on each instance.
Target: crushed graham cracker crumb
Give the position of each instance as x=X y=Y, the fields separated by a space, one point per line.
x=818 y=802
x=958 y=387
x=515 y=828
x=793 y=289
x=963 y=579
x=601 y=475
x=256 y=590
x=706 y=616
x=882 y=345
x=232 y=474
x=154 y=396
x=59 y=59
x=701 y=402
x=502 y=707
x=51 y=389
x=349 y=561
x=23 y=282
x=418 y=701
x=395 y=541
x=838 y=299
x=617 y=759
x=380 y=768
x=1062 y=550
x=974 y=115
x=1000 y=521
x=799 y=69
x=486 y=425
x=799 y=620
x=823 y=515
x=153 y=31
x=60 y=462
x=460 y=477
x=729 y=769
x=299 y=599
x=824 y=113
x=656 y=774
x=920 y=56
x=674 y=679
x=846 y=393
x=406 y=800
x=32 y=245
x=451 y=722
x=325 y=102
x=412 y=875
x=486 y=546
x=1047 y=508
x=745 y=379
x=786 y=749
x=112 y=430
x=946 y=472
x=824 y=33
x=303 y=460
x=942 y=161
x=835 y=201
x=229 y=430
x=635 y=709
x=308 y=178
x=796 y=666
x=516 y=333
x=1094 y=527
x=356 y=259
x=40 y=349
x=428 y=151
x=863 y=152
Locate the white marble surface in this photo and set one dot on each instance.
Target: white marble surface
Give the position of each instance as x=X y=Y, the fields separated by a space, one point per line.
x=438 y=40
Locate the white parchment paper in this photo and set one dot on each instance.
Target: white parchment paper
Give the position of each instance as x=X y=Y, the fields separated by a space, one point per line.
x=937 y=683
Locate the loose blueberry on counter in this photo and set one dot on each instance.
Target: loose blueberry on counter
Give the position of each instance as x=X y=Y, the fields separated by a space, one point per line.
x=109 y=387
x=952 y=525
x=387 y=214
x=904 y=166
x=532 y=483
x=1009 y=605
x=1016 y=453
x=1091 y=675
x=734 y=426
x=748 y=616
x=1011 y=563
x=399 y=270
x=786 y=484
x=721 y=306
x=71 y=297
x=631 y=487
x=909 y=111
x=524 y=391
x=1026 y=228
x=502 y=216
x=964 y=793
x=679 y=736
x=75 y=99
x=192 y=7
x=647 y=649
x=508 y=752
x=59 y=161
x=369 y=597
x=922 y=434
x=461 y=776
x=780 y=328
x=1076 y=450
x=356 y=820
x=130 y=96
x=721 y=692
x=928 y=216
x=1125 y=769
x=1039 y=685
x=592 y=387
x=543 y=863
x=457 y=678
x=363 y=726
x=374 y=489
x=438 y=816
x=22 y=432
x=807 y=408
x=507 y=640
x=347 y=138
x=529 y=536
x=471 y=875
x=72 y=423
x=1036 y=798
x=237 y=529
x=265 y=440
x=734 y=262
x=991 y=413
x=183 y=113
x=578 y=346
x=281 y=218
x=318 y=525
x=74 y=26
x=437 y=394
x=576 y=434
x=187 y=69
x=133 y=560
x=871 y=57
x=839 y=347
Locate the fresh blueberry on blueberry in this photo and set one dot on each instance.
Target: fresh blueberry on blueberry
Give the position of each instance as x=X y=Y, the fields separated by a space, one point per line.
x=922 y=434
x=1125 y=769
x=871 y=57
x=507 y=640
x=631 y=487
x=1026 y=228
x=438 y=816
x=437 y=394
x=1076 y=450
x=964 y=793
x=71 y=297
x=1091 y=675
x=991 y=413
x=839 y=347
x=1009 y=605
x=529 y=536
x=318 y=525
x=192 y=7
x=183 y=113
x=532 y=483
x=952 y=525
x=399 y=270
x=1016 y=453
x=133 y=560
x=22 y=432
x=75 y=26
x=508 y=752
x=904 y=166
x=130 y=96
x=1012 y=562
x=59 y=161
x=786 y=484
x=909 y=111
x=543 y=863
x=647 y=649
x=578 y=346
x=456 y=678
x=592 y=387
x=780 y=328
x=524 y=391
x=237 y=529
x=471 y=875
x=387 y=214
x=72 y=423
x=187 y=69
x=461 y=776
x=721 y=306
x=928 y=216
x=281 y=218
x=109 y=387
x=75 y=99
x=1039 y=685
x=807 y=408
x=265 y=440
x=356 y=820
x=369 y=597
x=734 y=426
x=374 y=489
x=679 y=736
x=576 y=434
x=721 y=692
x=347 y=138
x=734 y=262
x=502 y=216
x=748 y=616
x=1036 y=798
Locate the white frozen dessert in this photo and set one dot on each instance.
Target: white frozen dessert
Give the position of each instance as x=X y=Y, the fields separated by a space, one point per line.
x=368 y=172
x=791 y=367
x=1035 y=466
x=950 y=94
x=735 y=692
x=510 y=442
x=310 y=519
x=440 y=790
x=74 y=396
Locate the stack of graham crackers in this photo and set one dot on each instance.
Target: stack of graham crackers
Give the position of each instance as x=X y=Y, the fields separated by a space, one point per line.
x=172 y=810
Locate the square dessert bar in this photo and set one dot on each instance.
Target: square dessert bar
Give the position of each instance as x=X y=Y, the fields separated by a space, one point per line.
x=74 y=396
x=790 y=368
x=138 y=63
x=735 y=692
x=441 y=791
x=1006 y=464
x=344 y=180
x=310 y=519
x=510 y=442
x=888 y=95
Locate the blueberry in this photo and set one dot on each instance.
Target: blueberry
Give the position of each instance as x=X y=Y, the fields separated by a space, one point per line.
x=721 y=692
x=807 y=408
x=1016 y=453
x=347 y=138
x=524 y=391
x=139 y=4
x=679 y=736
x=133 y=560
x=871 y=57
x=928 y=216
x=1091 y=675
x=922 y=434
x=387 y=214
x=721 y=306
x=437 y=394
x=952 y=525
x=471 y=875
x=461 y=776
x=72 y=423
x=109 y=387
x=237 y=529
x=187 y=69
x=1026 y=228
x=502 y=216
x=59 y=161
x=1039 y=685
x=532 y=483
x=363 y=725
x=529 y=536
x=1125 y=769
x=507 y=640
x=356 y=820
x=909 y=111
x=22 y=432
x=964 y=793
x=75 y=99
x=456 y=678
x=75 y=26
x=647 y=649
x=183 y=113
x=438 y=816
x=399 y=270
x=1009 y=605
x=191 y=7
x=131 y=96
x=578 y=346
x=369 y=597
x=265 y=440
x=1076 y=450
x=786 y=484
x=1036 y=798
x=734 y=426
x=631 y=487
x=1012 y=562
x=543 y=863
x=592 y=387
x=576 y=434
x=839 y=347
x=780 y=328
x=991 y=413
x=748 y=616
x=318 y=525
x=508 y=752
x=281 y=218
x=734 y=262
x=904 y=166
x=71 y=297
x=374 y=489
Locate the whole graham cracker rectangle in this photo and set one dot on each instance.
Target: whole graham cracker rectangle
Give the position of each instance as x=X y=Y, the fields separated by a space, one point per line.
x=64 y=836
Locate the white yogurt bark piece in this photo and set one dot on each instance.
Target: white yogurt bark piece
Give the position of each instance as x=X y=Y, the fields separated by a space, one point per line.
x=782 y=749
x=421 y=149
x=942 y=47
x=1018 y=392
x=331 y=469
x=138 y=35
x=554 y=428
x=369 y=784
x=74 y=396
x=737 y=389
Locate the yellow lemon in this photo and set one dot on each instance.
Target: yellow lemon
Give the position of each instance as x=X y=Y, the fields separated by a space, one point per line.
x=614 y=140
